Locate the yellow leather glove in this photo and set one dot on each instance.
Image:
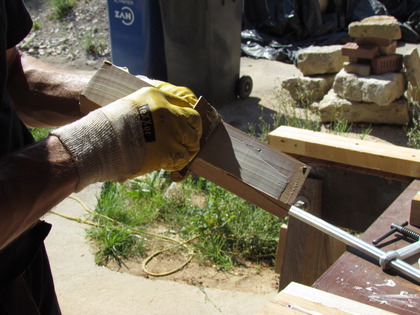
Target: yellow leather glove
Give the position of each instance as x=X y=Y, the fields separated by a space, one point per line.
x=145 y=131
x=180 y=91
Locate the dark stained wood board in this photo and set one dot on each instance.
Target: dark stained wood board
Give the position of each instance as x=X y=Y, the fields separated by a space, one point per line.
x=230 y=158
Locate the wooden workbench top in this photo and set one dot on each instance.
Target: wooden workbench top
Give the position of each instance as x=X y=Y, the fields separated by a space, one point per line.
x=363 y=280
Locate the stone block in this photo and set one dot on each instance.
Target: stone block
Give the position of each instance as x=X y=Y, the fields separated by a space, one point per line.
x=378 y=26
x=380 y=89
x=334 y=108
x=308 y=89
x=411 y=63
x=316 y=60
x=357 y=68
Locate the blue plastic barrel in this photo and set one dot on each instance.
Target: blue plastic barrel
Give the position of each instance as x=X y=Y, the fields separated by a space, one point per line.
x=137 y=37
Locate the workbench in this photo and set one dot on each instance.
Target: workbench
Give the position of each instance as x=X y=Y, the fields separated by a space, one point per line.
x=362 y=280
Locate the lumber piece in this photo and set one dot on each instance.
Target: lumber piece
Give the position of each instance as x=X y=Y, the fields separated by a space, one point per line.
x=349 y=151
x=308 y=252
x=230 y=158
x=281 y=246
x=415 y=210
x=301 y=299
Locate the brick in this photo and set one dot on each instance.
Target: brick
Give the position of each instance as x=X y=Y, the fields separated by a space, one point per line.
x=354 y=50
x=385 y=64
x=373 y=41
x=357 y=68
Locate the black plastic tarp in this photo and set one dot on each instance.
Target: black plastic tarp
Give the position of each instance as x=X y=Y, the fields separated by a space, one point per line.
x=278 y=29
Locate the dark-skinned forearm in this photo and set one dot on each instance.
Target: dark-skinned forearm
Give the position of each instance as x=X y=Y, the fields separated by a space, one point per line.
x=45 y=96
x=32 y=181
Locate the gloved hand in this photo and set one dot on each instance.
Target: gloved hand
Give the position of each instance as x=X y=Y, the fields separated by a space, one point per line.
x=180 y=91
x=142 y=132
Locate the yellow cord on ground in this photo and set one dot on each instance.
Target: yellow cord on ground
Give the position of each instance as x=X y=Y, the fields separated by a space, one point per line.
x=149 y=258
x=135 y=231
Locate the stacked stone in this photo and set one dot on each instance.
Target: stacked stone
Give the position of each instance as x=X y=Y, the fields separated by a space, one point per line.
x=319 y=65
x=370 y=87
x=375 y=46
x=361 y=82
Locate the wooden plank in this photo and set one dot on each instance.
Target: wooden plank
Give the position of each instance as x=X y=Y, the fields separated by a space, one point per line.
x=230 y=158
x=355 y=276
x=308 y=252
x=415 y=210
x=281 y=247
x=300 y=299
x=332 y=301
x=362 y=153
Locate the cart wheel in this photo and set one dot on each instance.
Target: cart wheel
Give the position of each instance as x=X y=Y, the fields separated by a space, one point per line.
x=244 y=87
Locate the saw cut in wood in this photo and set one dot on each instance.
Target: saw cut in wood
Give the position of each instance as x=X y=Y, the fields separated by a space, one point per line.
x=228 y=157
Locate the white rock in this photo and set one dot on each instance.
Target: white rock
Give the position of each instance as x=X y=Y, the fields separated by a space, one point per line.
x=321 y=59
x=380 y=89
x=308 y=89
x=411 y=63
x=334 y=108
x=378 y=26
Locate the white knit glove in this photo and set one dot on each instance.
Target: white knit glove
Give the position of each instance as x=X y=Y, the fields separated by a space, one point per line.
x=140 y=133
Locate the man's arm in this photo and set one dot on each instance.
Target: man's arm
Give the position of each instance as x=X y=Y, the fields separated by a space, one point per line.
x=32 y=181
x=44 y=96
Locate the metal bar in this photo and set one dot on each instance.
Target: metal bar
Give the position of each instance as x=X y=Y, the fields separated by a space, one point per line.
x=372 y=251
x=387 y=234
x=408 y=250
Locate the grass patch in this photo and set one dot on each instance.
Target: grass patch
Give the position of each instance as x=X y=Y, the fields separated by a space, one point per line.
x=413 y=129
x=224 y=228
x=40 y=133
x=93 y=46
x=62 y=8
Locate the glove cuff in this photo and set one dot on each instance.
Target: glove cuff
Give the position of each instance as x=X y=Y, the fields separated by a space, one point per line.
x=94 y=147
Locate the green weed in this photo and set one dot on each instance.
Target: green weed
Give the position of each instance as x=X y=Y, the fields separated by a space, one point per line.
x=224 y=227
x=40 y=133
x=93 y=46
x=62 y=8
x=413 y=129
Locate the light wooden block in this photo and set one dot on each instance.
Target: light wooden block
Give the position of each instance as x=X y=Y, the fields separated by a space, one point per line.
x=345 y=150
x=415 y=210
x=300 y=299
